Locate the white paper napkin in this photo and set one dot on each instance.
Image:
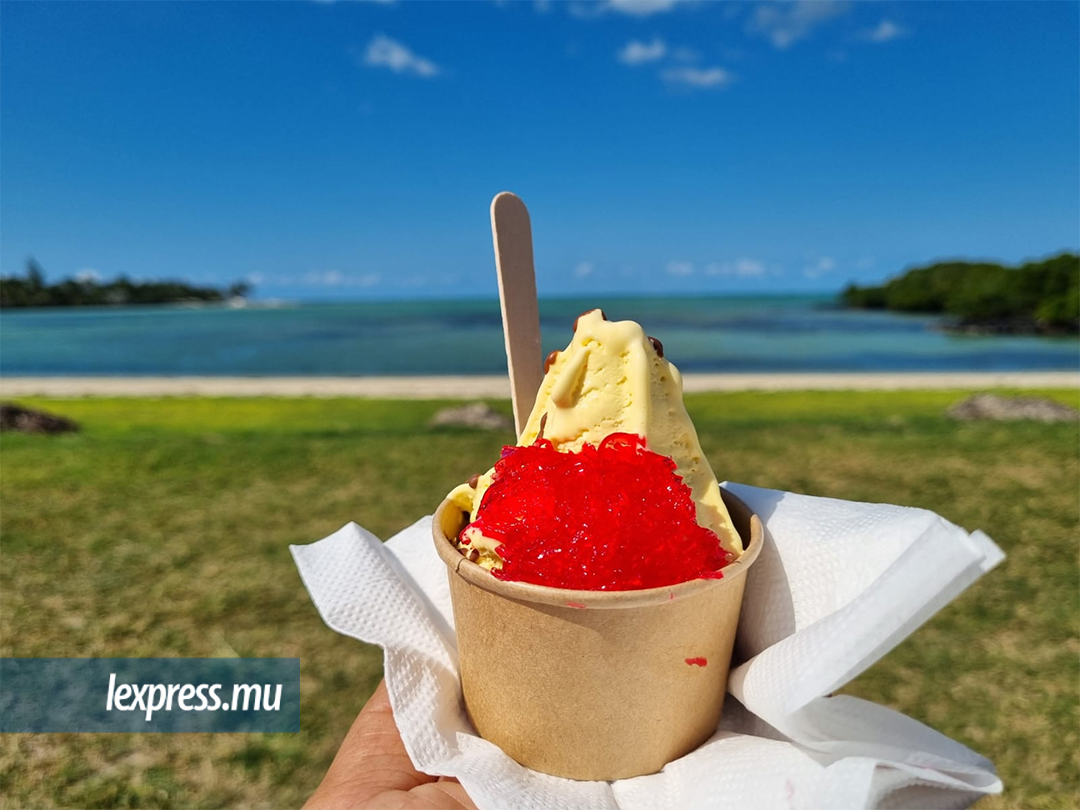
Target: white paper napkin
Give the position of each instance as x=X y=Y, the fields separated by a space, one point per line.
x=837 y=585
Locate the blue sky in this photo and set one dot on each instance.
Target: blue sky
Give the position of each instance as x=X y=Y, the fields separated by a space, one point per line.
x=350 y=149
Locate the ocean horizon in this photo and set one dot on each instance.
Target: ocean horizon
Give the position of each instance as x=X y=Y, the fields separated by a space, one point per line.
x=732 y=333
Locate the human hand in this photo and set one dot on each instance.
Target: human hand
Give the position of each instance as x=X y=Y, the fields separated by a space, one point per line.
x=372 y=770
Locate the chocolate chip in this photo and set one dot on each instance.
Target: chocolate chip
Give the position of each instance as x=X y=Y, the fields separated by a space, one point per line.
x=474 y=555
x=550 y=360
x=543 y=424
x=474 y=479
x=656 y=344
x=586 y=312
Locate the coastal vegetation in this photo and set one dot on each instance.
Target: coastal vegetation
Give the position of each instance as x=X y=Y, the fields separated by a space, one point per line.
x=162 y=529
x=1041 y=297
x=31 y=290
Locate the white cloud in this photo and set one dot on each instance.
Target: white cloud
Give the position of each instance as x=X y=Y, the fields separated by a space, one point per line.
x=685 y=55
x=743 y=268
x=786 y=23
x=637 y=53
x=584 y=270
x=324 y=278
x=641 y=8
x=679 y=269
x=87 y=274
x=633 y=8
x=698 y=77
x=823 y=265
x=886 y=30
x=749 y=268
x=331 y=278
x=385 y=52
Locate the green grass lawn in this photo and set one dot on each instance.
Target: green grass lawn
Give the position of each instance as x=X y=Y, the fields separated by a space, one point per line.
x=162 y=529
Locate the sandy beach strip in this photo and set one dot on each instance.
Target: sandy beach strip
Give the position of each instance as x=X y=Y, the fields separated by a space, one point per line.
x=454 y=387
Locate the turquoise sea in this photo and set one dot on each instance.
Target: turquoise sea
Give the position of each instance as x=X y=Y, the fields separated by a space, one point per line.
x=735 y=334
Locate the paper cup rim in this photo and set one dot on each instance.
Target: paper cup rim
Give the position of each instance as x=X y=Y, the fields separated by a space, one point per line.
x=746 y=523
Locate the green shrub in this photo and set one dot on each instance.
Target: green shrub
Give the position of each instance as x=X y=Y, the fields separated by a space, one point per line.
x=1043 y=294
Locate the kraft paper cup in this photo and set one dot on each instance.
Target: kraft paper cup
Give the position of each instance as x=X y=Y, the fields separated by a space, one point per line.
x=594 y=684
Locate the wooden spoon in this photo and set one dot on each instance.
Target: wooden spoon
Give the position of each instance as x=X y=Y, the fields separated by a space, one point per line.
x=512 y=235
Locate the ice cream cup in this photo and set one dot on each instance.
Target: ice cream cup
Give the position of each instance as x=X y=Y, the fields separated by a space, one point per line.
x=594 y=684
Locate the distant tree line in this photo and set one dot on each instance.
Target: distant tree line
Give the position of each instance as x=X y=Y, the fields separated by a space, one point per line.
x=31 y=290
x=1037 y=297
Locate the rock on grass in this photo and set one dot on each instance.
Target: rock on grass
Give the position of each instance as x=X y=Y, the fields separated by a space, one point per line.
x=474 y=415
x=26 y=420
x=994 y=406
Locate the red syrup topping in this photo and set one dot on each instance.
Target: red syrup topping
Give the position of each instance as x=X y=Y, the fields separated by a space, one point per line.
x=610 y=518
x=697 y=662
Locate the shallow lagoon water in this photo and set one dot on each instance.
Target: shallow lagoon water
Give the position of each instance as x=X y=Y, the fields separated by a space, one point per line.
x=704 y=334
